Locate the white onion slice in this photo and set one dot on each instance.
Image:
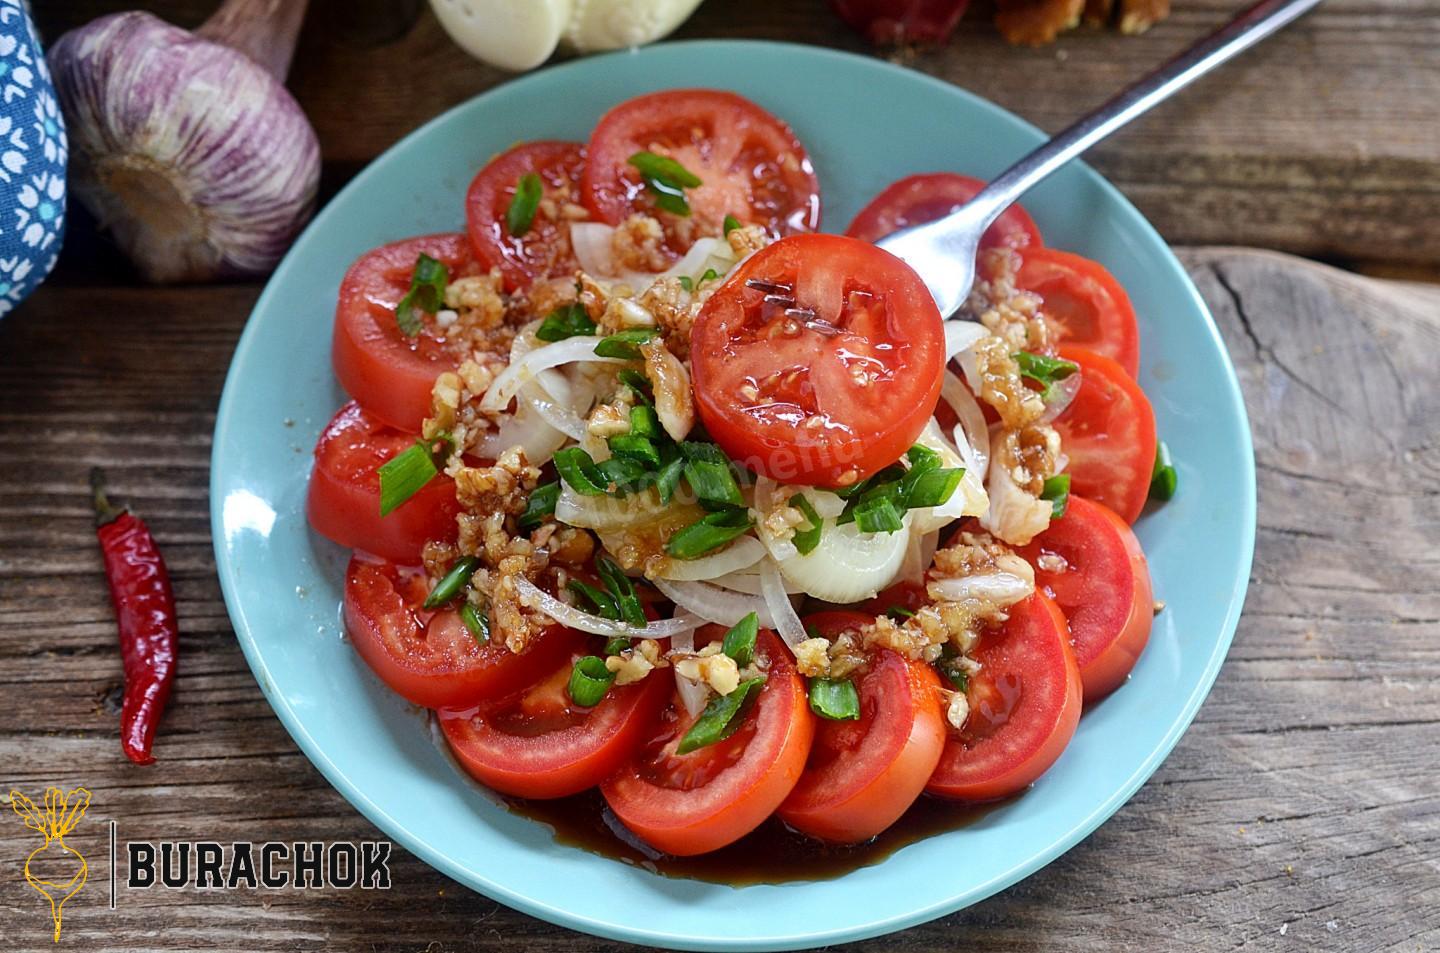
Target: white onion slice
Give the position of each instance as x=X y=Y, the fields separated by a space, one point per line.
x=1065 y=391
x=714 y=604
x=565 y=614
x=520 y=372
x=962 y=335
x=1001 y=588
x=748 y=582
x=785 y=620
x=525 y=429
x=741 y=554
x=606 y=512
x=549 y=409
x=972 y=419
x=591 y=243
x=1015 y=516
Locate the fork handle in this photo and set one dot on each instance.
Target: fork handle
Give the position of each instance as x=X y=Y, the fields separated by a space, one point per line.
x=1241 y=33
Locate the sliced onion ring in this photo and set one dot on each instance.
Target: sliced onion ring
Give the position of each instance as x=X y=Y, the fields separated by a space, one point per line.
x=741 y=554
x=786 y=621
x=565 y=614
x=529 y=366
x=714 y=604
x=962 y=335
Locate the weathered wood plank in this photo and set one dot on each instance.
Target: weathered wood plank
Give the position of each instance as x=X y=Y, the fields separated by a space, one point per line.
x=1322 y=142
x=1304 y=798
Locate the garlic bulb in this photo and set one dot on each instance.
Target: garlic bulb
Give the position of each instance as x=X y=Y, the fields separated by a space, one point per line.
x=615 y=24
x=186 y=145
x=510 y=34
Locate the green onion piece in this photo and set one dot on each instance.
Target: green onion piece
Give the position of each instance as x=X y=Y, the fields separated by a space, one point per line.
x=623 y=591
x=731 y=223
x=589 y=681
x=617 y=645
x=710 y=473
x=635 y=447
x=404 y=475
x=668 y=479
x=922 y=458
x=835 y=699
x=1163 y=478
x=1057 y=491
x=952 y=673
x=666 y=180
x=540 y=505
x=455 y=580
x=521 y=214
x=708 y=533
x=899 y=613
x=710 y=275
x=739 y=642
x=578 y=470
x=687 y=283
x=638 y=383
x=806 y=540
x=476 y=621
x=721 y=718
x=878 y=515
x=1044 y=370
x=626 y=473
x=931 y=487
x=625 y=344
x=644 y=422
x=603 y=604
x=566 y=321
x=890 y=474
x=427 y=293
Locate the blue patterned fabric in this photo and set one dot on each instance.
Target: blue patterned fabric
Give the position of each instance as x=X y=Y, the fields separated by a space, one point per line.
x=32 y=160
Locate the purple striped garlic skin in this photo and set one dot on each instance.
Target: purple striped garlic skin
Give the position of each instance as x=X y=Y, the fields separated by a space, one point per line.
x=199 y=161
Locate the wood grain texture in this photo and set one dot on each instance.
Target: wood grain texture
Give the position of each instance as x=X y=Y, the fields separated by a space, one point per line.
x=1300 y=812
x=1323 y=141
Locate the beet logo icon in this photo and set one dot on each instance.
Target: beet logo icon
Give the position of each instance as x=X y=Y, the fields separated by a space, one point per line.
x=47 y=864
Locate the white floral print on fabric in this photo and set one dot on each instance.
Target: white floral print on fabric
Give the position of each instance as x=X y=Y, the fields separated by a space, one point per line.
x=32 y=160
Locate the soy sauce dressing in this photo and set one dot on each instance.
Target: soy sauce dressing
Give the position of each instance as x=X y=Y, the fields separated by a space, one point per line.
x=771 y=854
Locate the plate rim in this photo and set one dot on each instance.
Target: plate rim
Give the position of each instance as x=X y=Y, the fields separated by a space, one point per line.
x=615 y=930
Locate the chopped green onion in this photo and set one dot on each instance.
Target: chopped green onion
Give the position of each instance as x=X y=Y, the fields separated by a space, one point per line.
x=739 y=642
x=721 y=718
x=638 y=383
x=687 y=283
x=455 y=580
x=953 y=673
x=427 y=293
x=578 y=470
x=899 y=613
x=476 y=621
x=644 y=422
x=617 y=645
x=835 y=699
x=623 y=591
x=521 y=214
x=930 y=487
x=879 y=515
x=589 y=681
x=708 y=533
x=566 y=321
x=1163 y=478
x=404 y=475
x=922 y=458
x=710 y=473
x=731 y=223
x=807 y=539
x=1044 y=370
x=625 y=344
x=668 y=479
x=666 y=180
x=710 y=275
x=635 y=447
x=540 y=505
x=1057 y=491
x=626 y=473
x=603 y=603
x=888 y=475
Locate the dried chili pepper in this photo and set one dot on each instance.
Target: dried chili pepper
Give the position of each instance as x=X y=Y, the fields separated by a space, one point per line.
x=145 y=611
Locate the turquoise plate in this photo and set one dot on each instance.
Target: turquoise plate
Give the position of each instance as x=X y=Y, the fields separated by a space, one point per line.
x=865 y=123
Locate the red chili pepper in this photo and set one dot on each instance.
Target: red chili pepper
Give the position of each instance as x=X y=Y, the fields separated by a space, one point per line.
x=145 y=610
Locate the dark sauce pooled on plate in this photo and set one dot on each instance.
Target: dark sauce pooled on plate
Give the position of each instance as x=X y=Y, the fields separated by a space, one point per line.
x=773 y=853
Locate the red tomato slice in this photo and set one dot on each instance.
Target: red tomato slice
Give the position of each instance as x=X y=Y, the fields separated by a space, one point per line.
x=431 y=658
x=1103 y=589
x=749 y=163
x=1024 y=706
x=685 y=804
x=390 y=374
x=1085 y=304
x=834 y=385
x=539 y=744
x=862 y=775
x=917 y=199
x=1108 y=432
x=343 y=501
x=544 y=250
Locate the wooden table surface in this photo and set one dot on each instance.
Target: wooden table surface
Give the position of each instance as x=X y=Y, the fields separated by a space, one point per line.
x=1302 y=810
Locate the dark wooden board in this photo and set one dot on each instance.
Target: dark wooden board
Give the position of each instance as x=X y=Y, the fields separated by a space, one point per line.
x=1300 y=812
x=1324 y=141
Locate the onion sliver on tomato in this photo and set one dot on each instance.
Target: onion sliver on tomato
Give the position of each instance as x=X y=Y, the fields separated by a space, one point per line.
x=390 y=374
x=863 y=774
x=917 y=199
x=1024 y=707
x=542 y=249
x=343 y=497
x=1090 y=562
x=818 y=361
x=432 y=658
x=686 y=804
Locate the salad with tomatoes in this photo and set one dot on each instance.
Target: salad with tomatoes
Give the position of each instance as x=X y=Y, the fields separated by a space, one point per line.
x=654 y=488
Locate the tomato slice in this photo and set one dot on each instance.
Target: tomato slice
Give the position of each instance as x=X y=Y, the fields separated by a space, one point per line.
x=1024 y=706
x=543 y=251
x=389 y=373
x=818 y=361
x=685 y=804
x=1084 y=303
x=1097 y=575
x=431 y=658
x=749 y=163
x=343 y=498
x=1108 y=432
x=862 y=775
x=917 y=199
x=538 y=744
